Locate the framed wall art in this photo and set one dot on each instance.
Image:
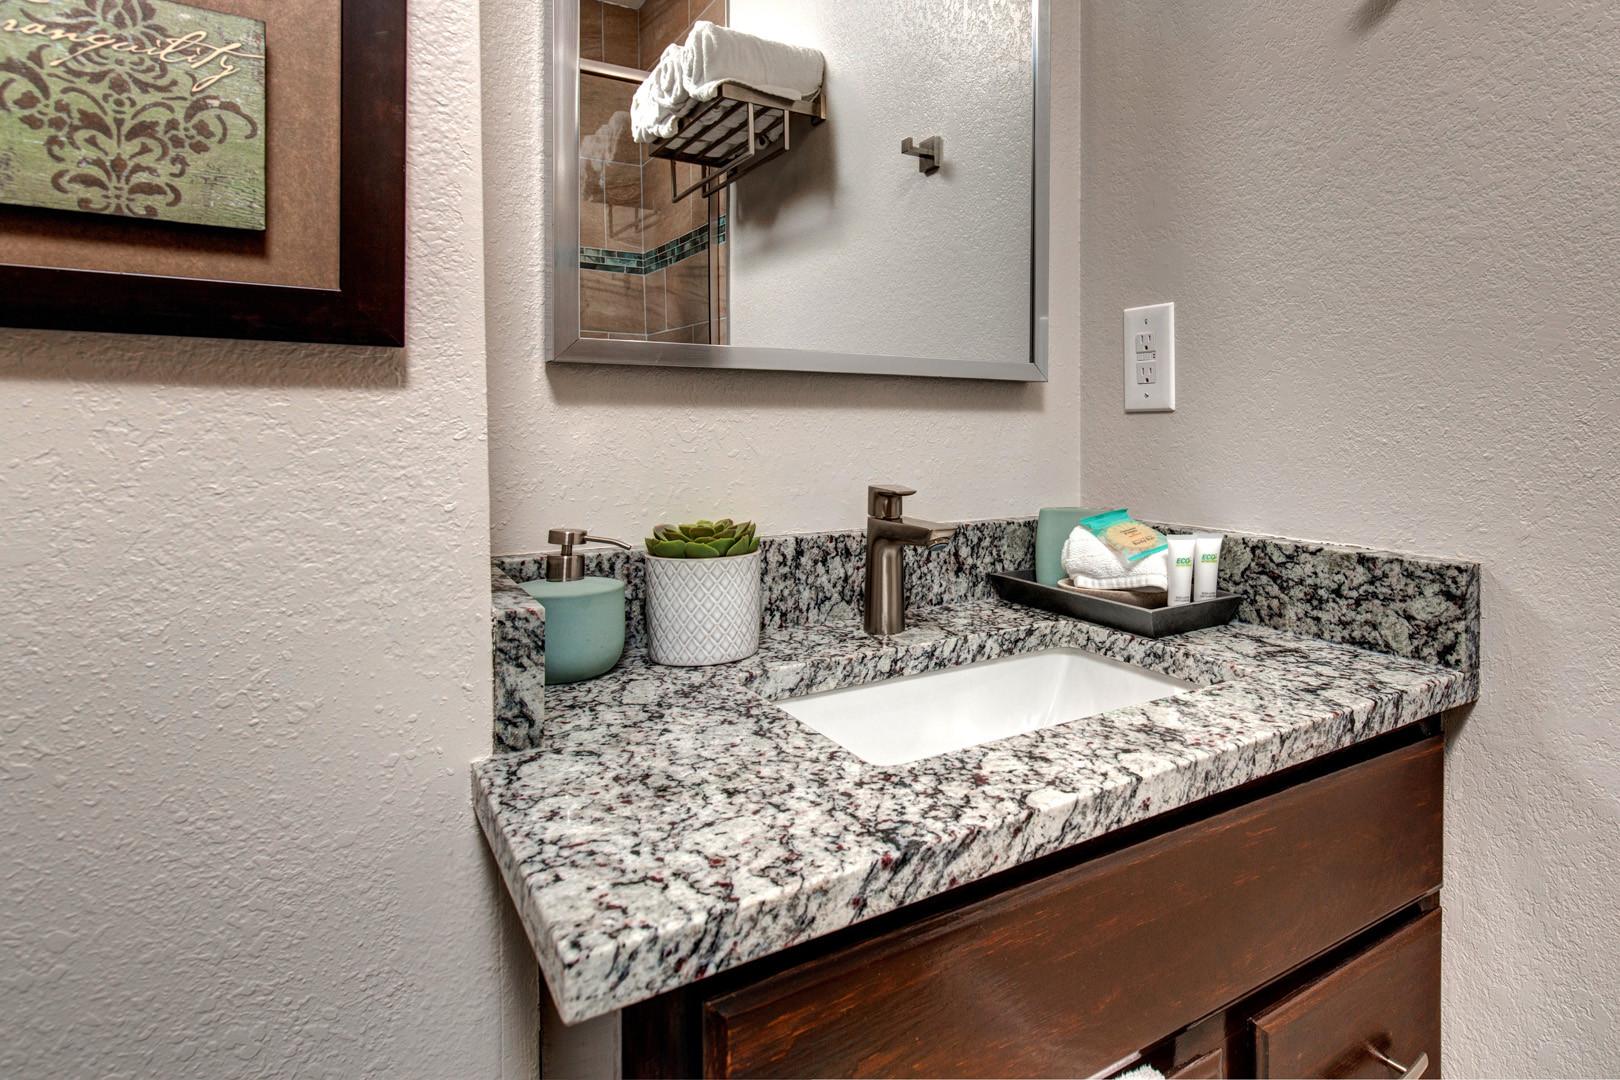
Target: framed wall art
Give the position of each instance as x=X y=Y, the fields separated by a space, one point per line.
x=220 y=168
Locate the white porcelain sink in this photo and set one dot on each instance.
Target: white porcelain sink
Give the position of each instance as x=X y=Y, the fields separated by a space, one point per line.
x=920 y=716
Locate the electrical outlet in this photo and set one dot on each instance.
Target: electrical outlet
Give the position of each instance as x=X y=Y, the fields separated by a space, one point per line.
x=1150 y=358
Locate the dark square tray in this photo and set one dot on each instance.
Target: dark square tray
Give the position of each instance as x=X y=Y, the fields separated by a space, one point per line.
x=1020 y=587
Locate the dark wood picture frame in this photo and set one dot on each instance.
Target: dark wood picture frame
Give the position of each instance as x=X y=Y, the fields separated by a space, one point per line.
x=367 y=307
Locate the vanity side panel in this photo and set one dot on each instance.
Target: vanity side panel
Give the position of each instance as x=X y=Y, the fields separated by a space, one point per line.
x=1072 y=972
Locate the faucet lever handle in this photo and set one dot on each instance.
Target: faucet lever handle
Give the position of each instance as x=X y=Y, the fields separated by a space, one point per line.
x=884 y=500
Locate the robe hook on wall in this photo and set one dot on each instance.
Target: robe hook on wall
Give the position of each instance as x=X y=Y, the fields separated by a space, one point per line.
x=930 y=153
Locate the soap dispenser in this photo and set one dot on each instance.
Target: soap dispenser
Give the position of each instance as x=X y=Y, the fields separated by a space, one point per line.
x=584 y=615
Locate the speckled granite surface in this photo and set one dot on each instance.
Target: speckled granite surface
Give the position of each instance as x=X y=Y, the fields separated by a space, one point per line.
x=810 y=578
x=518 y=631
x=674 y=823
x=1407 y=606
x=816 y=577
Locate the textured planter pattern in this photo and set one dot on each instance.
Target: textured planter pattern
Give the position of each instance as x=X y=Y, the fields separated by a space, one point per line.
x=703 y=611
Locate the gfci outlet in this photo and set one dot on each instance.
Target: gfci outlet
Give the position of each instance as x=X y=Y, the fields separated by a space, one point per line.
x=1150 y=358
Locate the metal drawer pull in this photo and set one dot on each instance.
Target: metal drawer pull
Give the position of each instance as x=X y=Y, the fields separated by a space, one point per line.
x=1412 y=1072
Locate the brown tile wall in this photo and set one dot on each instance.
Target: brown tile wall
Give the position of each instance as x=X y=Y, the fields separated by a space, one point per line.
x=677 y=296
x=612 y=303
x=621 y=35
x=626 y=201
x=590 y=30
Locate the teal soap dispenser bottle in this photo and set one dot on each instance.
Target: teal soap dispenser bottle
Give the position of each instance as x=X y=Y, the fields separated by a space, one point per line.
x=584 y=615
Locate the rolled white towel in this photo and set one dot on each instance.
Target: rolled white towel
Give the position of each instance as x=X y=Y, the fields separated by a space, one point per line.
x=1094 y=565
x=661 y=99
x=719 y=54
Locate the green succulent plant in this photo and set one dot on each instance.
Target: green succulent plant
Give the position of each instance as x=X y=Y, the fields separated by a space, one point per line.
x=703 y=540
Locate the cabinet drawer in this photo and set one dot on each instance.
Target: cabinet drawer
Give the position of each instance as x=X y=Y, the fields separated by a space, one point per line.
x=1385 y=1001
x=1064 y=975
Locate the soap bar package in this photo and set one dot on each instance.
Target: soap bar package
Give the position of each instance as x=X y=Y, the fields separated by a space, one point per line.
x=1125 y=536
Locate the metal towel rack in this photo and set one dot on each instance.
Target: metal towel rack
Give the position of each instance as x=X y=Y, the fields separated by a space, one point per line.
x=728 y=137
x=732 y=135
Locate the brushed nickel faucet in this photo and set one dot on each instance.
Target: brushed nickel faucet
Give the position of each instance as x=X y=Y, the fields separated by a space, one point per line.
x=886 y=533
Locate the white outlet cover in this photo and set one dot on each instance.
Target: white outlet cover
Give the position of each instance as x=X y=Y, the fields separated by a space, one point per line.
x=1159 y=393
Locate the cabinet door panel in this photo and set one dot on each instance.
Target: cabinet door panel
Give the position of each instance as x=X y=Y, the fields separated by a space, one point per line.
x=1376 y=1015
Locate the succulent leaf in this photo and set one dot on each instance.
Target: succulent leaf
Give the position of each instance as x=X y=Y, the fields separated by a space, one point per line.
x=703 y=539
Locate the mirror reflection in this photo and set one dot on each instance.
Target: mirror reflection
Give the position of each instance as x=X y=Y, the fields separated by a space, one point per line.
x=808 y=174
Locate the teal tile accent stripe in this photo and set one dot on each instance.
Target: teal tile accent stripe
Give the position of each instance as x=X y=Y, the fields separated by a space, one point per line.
x=646 y=262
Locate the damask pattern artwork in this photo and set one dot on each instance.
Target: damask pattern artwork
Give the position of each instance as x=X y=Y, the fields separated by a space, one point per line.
x=136 y=108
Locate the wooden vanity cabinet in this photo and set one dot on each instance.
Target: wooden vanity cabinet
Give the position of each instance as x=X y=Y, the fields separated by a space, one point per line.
x=1375 y=1015
x=1273 y=931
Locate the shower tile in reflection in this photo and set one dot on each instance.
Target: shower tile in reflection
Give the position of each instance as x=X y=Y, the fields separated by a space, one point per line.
x=663 y=23
x=687 y=291
x=604 y=120
x=656 y=291
x=612 y=302
x=590 y=30
x=622 y=195
x=621 y=34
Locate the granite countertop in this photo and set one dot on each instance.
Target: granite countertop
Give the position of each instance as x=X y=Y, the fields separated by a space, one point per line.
x=673 y=823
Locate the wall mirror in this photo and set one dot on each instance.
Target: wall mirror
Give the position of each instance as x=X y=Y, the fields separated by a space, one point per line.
x=892 y=220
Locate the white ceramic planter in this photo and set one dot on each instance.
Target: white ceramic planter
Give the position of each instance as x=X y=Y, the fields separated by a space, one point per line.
x=703 y=611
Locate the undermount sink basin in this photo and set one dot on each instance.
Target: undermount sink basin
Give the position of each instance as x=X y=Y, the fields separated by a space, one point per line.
x=920 y=716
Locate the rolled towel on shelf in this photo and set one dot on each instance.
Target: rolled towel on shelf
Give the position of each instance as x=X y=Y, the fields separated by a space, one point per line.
x=661 y=99
x=1092 y=564
x=718 y=54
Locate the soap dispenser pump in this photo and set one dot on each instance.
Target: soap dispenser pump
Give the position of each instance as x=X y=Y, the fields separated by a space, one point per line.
x=584 y=615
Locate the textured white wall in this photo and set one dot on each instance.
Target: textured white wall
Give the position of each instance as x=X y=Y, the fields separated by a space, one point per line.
x=619 y=449
x=842 y=244
x=246 y=661
x=1391 y=244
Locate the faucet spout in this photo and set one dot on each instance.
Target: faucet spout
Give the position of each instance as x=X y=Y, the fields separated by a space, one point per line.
x=887 y=534
x=912 y=532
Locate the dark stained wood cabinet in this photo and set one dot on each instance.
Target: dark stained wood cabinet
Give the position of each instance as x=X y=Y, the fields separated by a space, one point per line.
x=1260 y=934
x=1210 y=1065
x=1375 y=1015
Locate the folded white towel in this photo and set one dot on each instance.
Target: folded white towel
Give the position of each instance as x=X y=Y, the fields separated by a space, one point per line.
x=1141 y=1072
x=719 y=54
x=656 y=108
x=1094 y=565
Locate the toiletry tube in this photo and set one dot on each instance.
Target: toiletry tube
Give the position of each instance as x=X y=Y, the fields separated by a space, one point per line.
x=1206 y=569
x=1181 y=569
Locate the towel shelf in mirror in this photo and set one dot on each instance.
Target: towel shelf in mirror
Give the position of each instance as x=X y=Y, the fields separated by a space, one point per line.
x=732 y=135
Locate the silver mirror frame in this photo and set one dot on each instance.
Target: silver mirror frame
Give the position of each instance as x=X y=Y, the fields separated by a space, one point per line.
x=569 y=348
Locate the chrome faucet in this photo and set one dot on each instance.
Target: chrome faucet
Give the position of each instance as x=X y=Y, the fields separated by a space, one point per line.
x=886 y=533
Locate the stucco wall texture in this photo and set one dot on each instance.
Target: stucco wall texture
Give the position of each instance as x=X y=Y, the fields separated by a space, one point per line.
x=1389 y=230
x=619 y=449
x=245 y=663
